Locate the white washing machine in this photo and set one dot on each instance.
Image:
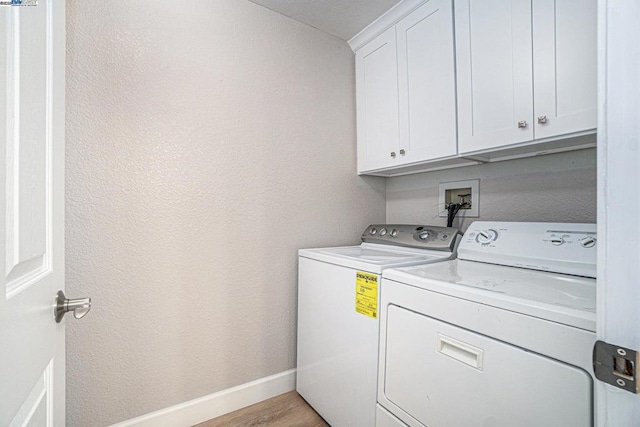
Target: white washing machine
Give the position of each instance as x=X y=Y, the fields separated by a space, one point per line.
x=502 y=336
x=338 y=324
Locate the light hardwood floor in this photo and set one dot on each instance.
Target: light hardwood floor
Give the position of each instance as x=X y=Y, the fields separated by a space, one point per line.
x=286 y=410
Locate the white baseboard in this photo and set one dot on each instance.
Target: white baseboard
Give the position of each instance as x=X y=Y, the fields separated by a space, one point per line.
x=214 y=405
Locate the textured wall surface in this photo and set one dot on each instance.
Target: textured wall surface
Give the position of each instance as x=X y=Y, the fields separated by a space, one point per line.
x=207 y=142
x=556 y=188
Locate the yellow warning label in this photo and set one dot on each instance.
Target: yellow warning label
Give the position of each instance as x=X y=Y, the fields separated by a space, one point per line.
x=367 y=294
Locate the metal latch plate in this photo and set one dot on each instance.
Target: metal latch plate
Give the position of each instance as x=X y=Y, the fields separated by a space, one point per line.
x=616 y=365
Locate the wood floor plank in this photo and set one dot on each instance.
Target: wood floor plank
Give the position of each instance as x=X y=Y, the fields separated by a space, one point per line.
x=286 y=410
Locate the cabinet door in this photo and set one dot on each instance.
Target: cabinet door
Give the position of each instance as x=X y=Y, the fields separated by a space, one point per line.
x=377 y=102
x=426 y=82
x=494 y=70
x=564 y=60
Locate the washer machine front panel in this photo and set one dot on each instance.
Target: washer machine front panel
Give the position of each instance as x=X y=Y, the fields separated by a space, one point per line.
x=337 y=357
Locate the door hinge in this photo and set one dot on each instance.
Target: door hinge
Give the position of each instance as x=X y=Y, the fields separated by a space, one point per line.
x=18 y=2
x=616 y=365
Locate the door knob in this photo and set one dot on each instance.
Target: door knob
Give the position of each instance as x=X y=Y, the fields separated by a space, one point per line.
x=80 y=307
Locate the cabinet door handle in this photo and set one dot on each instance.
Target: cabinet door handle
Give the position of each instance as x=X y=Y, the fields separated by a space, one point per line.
x=542 y=119
x=402 y=151
x=393 y=154
x=522 y=124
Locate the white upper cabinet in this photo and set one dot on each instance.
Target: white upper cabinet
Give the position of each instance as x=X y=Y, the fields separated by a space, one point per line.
x=406 y=90
x=377 y=102
x=426 y=83
x=564 y=61
x=448 y=83
x=495 y=73
x=526 y=70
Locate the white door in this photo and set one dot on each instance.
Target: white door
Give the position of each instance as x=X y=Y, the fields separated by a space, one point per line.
x=426 y=82
x=565 y=69
x=32 y=364
x=618 y=201
x=494 y=73
x=377 y=102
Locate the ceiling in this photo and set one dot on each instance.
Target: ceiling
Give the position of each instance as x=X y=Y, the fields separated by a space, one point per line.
x=342 y=18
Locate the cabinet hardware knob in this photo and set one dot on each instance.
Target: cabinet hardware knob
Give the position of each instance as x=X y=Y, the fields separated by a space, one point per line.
x=393 y=154
x=522 y=124
x=402 y=151
x=542 y=119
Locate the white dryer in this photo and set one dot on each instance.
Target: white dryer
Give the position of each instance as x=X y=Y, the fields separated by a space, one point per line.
x=338 y=324
x=502 y=336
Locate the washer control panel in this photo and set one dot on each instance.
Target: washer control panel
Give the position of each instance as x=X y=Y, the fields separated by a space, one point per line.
x=558 y=247
x=414 y=236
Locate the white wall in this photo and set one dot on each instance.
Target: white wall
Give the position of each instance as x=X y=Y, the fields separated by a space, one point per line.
x=557 y=188
x=207 y=142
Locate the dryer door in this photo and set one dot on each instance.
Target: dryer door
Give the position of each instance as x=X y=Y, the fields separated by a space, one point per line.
x=443 y=375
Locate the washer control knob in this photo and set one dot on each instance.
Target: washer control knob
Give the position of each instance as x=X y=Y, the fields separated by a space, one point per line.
x=486 y=236
x=557 y=241
x=423 y=236
x=383 y=231
x=394 y=232
x=373 y=230
x=588 y=242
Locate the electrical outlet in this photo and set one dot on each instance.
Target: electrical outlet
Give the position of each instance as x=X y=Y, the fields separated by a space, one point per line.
x=460 y=192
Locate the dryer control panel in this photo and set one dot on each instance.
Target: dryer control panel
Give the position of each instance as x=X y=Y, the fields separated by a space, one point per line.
x=413 y=236
x=555 y=247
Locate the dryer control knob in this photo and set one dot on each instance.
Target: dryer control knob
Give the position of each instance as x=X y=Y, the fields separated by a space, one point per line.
x=486 y=236
x=383 y=231
x=394 y=232
x=557 y=241
x=423 y=236
x=588 y=242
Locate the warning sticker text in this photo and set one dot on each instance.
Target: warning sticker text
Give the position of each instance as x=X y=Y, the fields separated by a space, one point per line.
x=367 y=294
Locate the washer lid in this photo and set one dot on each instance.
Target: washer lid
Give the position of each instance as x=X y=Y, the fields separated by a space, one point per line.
x=374 y=257
x=561 y=298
